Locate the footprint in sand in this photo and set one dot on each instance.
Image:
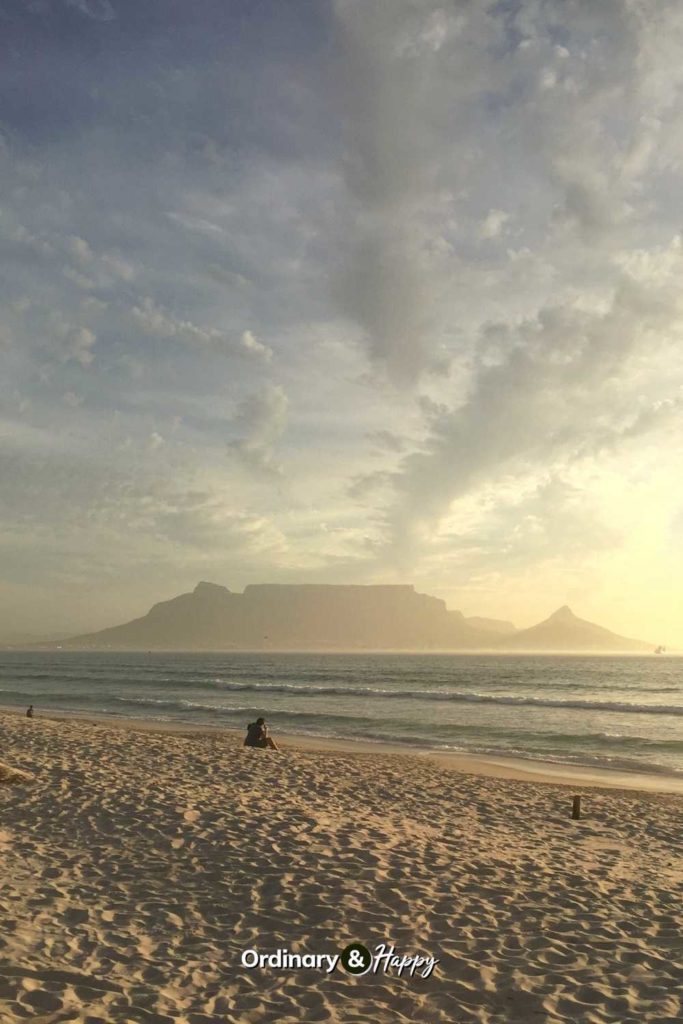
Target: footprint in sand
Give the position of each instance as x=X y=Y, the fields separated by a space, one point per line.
x=40 y=999
x=75 y=916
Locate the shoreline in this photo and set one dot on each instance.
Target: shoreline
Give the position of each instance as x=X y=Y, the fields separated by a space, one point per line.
x=487 y=766
x=507 y=652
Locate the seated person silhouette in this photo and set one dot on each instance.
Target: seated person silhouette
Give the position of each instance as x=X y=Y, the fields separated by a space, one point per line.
x=257 y=735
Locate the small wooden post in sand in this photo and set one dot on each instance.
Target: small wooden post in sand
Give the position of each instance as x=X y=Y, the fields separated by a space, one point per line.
x=576 y=808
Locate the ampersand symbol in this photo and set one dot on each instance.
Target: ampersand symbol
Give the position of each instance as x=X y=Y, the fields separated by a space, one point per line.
x=356 y=958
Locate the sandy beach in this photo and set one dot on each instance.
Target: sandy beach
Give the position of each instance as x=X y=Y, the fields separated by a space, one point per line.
x=139 y=866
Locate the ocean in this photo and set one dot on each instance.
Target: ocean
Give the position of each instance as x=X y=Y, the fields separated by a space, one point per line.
x=623 y=713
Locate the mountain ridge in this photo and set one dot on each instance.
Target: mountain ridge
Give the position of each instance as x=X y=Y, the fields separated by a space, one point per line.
x=563 y=630
x=312 y=616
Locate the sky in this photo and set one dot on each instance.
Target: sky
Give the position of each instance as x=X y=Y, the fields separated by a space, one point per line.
x=343 y=291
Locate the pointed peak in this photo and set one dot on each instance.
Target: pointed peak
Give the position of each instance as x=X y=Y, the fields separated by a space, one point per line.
x=564 y=612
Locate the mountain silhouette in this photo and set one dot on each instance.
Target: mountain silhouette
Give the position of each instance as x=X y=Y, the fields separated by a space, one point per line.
x=330 y=617
x=293 y=617
x=564 y=631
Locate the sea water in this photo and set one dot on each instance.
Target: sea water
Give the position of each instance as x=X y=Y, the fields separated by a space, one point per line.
x=599 y=711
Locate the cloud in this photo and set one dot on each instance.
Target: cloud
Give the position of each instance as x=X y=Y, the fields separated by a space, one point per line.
x=63 y=518
x=444 y=111
x=526 y=522
x=98 y=10
x=261 y=420
x=563 y=385
x=154 y=320
x=388 y=171
x=473 y=203
x=79 y=249
x=154 y=441
x=255 y=347
x=387 y=440
x=77 y=344
x=493 y=223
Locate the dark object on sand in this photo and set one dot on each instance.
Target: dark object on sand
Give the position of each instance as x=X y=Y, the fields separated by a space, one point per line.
x=257 y=735
x=29 y=711
x=576 y=808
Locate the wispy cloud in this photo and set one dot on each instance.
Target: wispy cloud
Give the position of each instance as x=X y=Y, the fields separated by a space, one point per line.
x=98 y=10
x=407 y=270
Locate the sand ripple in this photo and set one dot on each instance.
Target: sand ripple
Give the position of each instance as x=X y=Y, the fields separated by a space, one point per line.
x=140 y=865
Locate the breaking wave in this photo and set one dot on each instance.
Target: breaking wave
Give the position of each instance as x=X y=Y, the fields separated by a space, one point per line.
x=453 y=695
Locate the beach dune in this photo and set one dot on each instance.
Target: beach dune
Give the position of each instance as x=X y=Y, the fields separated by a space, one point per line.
x=142 y=865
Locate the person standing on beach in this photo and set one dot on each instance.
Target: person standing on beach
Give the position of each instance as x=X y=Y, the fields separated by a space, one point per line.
x=257 y=735
x=29 y=711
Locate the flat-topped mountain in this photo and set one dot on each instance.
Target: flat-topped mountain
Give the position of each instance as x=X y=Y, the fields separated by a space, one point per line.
x=294 y=617
x=564 y=631
x=330 y=617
